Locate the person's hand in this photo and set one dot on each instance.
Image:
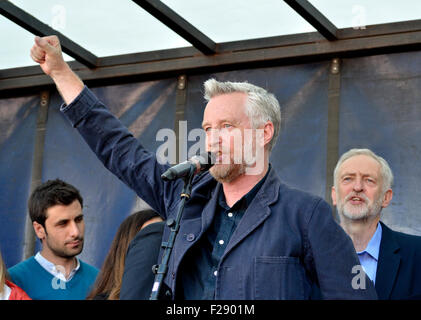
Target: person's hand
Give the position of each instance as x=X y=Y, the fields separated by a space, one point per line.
x=47 y=52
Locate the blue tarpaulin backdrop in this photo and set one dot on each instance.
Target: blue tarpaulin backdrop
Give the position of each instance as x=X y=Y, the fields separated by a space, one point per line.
x=380 y=108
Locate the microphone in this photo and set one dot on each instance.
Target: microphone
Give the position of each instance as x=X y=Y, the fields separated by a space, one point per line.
x=201 y=162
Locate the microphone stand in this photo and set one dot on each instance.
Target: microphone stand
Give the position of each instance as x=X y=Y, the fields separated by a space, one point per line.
x=161 y=270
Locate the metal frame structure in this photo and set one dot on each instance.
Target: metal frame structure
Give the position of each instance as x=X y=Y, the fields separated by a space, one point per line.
x=36 y=27
x=205 y=55
x=315 y=18
x=180 y=26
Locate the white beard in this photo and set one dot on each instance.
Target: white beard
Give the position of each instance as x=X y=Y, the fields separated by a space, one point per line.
x=362 y=211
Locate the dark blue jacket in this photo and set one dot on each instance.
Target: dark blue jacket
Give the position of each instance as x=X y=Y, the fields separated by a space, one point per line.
x=286 y=241
x=399 y=267
x=142 y=254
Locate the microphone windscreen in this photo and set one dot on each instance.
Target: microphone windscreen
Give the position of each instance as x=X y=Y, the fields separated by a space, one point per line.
x=206 y=160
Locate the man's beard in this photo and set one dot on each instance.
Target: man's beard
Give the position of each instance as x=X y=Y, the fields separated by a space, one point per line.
x=249 y=159
x=363 y=211
x=224 y=173
x=65 y=252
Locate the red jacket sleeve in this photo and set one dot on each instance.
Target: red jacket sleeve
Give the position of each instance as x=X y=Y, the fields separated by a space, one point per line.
x=17 y=293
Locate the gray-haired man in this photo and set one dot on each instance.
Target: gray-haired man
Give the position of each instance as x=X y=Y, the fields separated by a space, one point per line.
x=392 y=260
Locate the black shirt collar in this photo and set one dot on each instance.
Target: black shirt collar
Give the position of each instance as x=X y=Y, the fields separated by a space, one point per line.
x=245 y=201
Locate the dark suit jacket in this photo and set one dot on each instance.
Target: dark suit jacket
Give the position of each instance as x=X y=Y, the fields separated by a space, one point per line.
x=142 y=254
x=399 y=266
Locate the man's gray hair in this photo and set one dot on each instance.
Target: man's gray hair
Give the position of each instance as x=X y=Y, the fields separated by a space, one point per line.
x=261 y=105
x=385 y=171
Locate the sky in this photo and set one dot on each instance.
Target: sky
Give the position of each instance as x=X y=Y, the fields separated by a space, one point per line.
x=110 y=27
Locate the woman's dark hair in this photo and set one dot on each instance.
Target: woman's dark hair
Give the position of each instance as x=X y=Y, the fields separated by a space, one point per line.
x=49 y=194
x=108 y=282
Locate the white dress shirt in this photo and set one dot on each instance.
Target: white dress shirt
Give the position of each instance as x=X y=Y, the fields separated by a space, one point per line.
x=56 y=271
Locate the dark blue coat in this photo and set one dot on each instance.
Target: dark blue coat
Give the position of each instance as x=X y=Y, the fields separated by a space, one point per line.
x=286 y=241
x=399 y=266
x=142 y=254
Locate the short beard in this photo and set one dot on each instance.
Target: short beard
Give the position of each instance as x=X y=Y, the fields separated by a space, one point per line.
x=363 y=211
x=63 y=253
x=225 y=173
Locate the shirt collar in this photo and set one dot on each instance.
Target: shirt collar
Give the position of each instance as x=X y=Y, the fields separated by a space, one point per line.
x=55 y=270
x=245 y=201
x=373 y=246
